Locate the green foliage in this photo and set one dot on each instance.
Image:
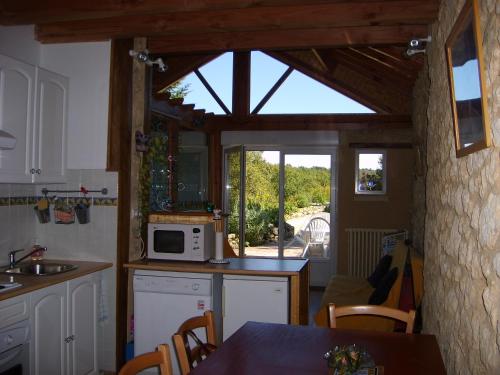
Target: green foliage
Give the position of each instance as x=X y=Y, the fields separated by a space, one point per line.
x=303 y=187
x=257 y=222
x=370 y=179
x=177 y=89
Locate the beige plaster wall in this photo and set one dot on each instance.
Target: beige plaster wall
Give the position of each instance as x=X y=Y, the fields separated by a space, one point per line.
x=391 y=211
x=462 y=203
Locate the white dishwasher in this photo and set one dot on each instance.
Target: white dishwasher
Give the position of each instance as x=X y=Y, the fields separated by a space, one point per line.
x=163 y=300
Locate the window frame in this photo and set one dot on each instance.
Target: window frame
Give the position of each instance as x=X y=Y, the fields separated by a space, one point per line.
x=357 y=153
x=283 y=151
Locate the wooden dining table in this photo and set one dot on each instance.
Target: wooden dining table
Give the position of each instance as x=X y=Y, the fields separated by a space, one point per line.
x=280 y=349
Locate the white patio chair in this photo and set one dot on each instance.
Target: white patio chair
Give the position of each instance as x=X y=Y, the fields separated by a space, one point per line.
x=314 y=237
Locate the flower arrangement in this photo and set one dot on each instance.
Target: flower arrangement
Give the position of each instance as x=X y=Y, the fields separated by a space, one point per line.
x=344 y=360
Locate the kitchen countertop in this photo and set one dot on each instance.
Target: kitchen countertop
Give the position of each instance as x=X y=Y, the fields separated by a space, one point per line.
x=31 y=283
x=241 y=266
x=297 y=270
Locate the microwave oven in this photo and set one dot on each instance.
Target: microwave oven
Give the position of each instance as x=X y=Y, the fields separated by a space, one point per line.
x=187 y=242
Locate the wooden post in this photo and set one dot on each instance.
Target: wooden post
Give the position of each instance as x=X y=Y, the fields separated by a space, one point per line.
x=129 y=228
x=241 y=83
x=119 y=159
x=215 y=169
x=139 y=101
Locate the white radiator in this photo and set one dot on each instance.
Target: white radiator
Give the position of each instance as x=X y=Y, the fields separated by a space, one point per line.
x=365 y=248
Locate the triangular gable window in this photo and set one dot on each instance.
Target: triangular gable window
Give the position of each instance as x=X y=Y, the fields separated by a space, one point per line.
x=298 y=93
x=219 y=75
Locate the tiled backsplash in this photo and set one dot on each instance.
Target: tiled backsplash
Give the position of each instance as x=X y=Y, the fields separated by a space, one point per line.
x=17 y=219
x=19 y=227
x=96 y=240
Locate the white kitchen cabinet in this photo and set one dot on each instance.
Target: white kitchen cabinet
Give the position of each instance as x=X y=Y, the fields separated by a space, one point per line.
x=255 y=298
x=17 y=103
x=82 y=325
x=49 y=159
x=48 y=330
x=33 y=109
x=64 y=328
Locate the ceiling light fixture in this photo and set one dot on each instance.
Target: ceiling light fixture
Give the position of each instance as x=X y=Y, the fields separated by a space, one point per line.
x=417 y=45
x=143 y=56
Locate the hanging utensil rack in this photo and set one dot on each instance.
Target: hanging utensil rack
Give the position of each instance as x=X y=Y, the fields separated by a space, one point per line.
x=82 y=190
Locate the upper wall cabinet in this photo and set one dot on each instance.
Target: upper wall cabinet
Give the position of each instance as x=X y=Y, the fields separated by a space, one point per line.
x=33 y=109
x=49 y=144
x=17 y=99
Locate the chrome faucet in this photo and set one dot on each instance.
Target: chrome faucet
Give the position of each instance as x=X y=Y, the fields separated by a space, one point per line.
x=12 y=255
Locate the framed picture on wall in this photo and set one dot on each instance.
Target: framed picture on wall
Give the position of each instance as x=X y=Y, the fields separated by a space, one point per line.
x=464 y=56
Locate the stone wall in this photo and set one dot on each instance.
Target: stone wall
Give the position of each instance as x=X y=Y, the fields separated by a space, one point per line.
x=462 y=199
x=419 y=118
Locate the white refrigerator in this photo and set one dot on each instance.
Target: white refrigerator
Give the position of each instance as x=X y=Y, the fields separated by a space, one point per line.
x=253 y=298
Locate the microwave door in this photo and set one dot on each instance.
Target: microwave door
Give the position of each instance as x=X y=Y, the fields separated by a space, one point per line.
x=169 y=241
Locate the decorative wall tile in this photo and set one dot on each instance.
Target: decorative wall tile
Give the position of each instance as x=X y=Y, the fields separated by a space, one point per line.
x=91 y=201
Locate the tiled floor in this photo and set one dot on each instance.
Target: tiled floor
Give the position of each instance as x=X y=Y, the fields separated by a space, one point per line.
x=314 y=303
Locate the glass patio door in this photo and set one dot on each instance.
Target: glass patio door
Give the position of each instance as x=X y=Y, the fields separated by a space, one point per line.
x=309 y=220
x=307 y=197
x=281 y=203
x=233 y=194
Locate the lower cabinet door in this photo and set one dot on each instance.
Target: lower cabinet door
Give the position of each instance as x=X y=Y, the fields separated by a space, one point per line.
x=48 y=328
x=64 y=328
x=82 y=325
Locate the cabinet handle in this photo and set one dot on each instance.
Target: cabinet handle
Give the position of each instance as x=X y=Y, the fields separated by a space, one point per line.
x=38 y=171
x=68 y=339
x=32 y=171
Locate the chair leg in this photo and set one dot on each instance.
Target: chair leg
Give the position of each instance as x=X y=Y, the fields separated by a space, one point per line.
x=305 y=252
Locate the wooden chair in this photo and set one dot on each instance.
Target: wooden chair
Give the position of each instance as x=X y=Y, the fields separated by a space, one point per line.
x=160 y=358
x=186 y=355
x=387 y=312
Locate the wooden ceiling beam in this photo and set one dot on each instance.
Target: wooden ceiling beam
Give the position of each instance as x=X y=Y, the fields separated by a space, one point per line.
x=319 y=59
x=307 y=122
x=286 y=39
x=383 y=13
x=397 y=54
x=372 y=70
x=394 y=64
x=241 y=83
x=14 y=12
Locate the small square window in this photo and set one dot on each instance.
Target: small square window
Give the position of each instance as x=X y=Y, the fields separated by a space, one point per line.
x=370 y=171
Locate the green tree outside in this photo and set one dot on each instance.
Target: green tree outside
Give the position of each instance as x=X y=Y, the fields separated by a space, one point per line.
x=303 y=187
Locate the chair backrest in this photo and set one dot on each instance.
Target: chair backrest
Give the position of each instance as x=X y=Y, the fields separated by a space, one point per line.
x=186 y=355
x=316 y=230
x=160 y=358
x=337 y=312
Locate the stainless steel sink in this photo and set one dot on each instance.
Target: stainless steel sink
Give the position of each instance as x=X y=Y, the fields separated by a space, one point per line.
x=40 y=269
